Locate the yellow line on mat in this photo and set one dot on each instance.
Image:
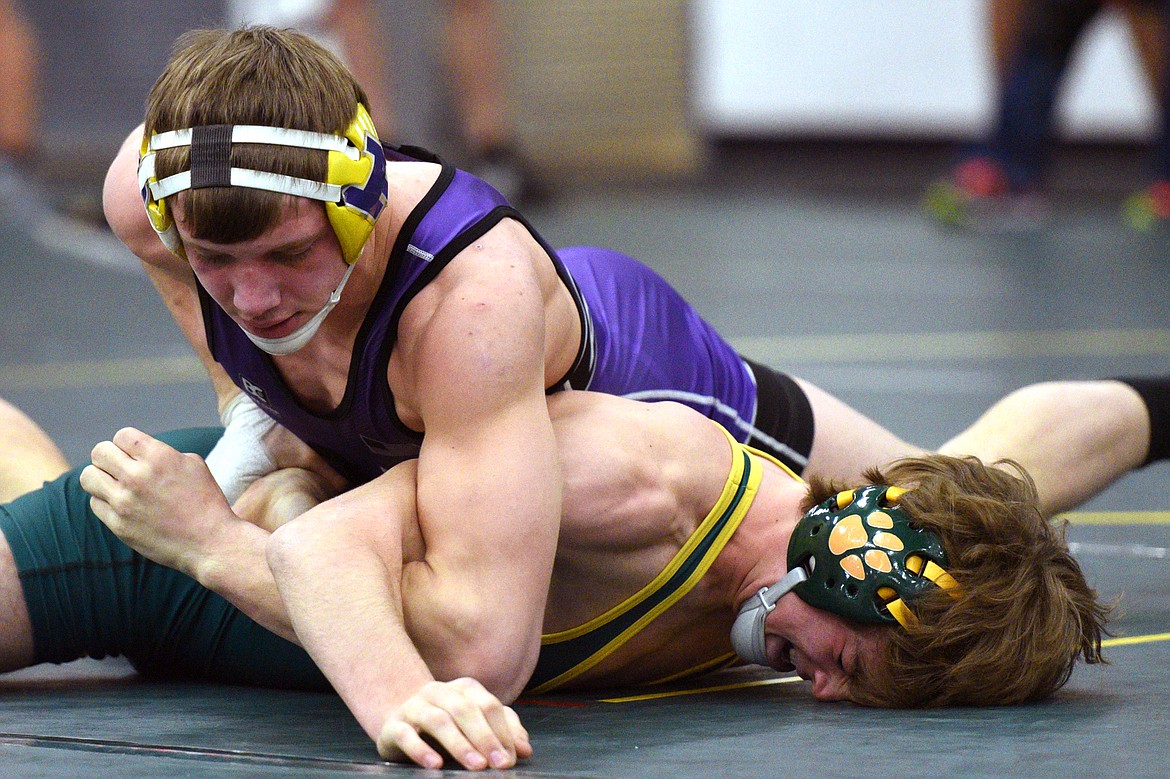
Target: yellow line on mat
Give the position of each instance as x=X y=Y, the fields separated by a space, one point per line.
x=700 y=690
x=776 y=350
x=1126 y=640
x=135 y=372
x=1119 y=517
x=1109 y=642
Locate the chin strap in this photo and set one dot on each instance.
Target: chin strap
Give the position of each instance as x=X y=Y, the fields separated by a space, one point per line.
x=747 y=633
x=298 y=338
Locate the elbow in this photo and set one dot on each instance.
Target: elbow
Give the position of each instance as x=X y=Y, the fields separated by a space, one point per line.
x=122 y=200
x=496 y=652
x=504 y=677
x=291 y=547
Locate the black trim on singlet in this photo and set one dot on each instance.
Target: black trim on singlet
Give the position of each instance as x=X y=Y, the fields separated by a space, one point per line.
x=783 y=412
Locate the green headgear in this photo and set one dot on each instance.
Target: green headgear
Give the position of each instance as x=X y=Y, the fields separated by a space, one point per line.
x=855 y=555
x=864 y=558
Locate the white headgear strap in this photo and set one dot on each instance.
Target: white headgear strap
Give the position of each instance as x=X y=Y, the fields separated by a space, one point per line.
x=244 y=177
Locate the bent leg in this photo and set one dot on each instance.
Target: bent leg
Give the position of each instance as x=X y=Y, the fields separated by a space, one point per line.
x=1075 y=438
x=16 y=637
x=845 y=441
x=28 y=457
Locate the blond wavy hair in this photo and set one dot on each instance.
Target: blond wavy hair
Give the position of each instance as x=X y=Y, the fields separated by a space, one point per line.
x=1025 y=614
x=254 y=75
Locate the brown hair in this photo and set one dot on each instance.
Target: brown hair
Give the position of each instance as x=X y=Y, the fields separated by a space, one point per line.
x=255 y=75
x=1025 y=613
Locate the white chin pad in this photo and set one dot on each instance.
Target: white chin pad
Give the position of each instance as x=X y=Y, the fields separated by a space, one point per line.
x=295 y=340
x=747 y=632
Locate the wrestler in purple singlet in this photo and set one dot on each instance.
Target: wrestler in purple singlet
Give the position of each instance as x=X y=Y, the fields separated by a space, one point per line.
x=640 y=339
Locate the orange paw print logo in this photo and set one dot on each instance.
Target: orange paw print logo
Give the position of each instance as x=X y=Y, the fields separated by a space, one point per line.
x=872 y=531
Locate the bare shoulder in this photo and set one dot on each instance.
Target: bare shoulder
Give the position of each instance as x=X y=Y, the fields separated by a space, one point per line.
x=412 y=180
x=494 y=279
x=662 y=447
x=675 y=430
x=122 y=205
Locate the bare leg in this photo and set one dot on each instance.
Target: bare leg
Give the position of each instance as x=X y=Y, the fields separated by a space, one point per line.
x=1074 y=437
x=28 y=457
x=474 y=58
x=354 y=23
x=845 y=441
x=1145 y=24
x=18 y=82
x=16 y=640
x=1004 y=22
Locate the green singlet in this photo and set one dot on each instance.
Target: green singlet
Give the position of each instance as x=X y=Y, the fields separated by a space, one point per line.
x=90 y=595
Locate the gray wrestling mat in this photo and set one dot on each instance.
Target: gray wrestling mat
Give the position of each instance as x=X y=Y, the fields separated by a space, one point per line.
x=917 y=327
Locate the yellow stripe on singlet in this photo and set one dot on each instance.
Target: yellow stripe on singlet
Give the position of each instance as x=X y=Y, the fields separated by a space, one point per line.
x=736 y=498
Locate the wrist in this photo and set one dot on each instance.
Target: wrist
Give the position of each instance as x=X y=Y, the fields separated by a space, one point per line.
x=223 y=558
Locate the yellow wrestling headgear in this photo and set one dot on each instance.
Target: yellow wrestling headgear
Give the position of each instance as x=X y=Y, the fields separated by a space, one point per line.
x=354 y=190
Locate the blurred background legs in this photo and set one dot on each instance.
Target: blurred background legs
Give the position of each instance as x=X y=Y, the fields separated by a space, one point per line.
x=999 y=185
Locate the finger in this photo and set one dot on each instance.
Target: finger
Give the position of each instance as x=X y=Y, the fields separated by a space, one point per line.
x=450 y=736
x=458 y=718
x=132 y=441
x=434 y=712
x=497 y=739
x=107 y=456
x=399 y=741
x=106 y=515
x=93 y=479
x=98 y=483
x=520 y=733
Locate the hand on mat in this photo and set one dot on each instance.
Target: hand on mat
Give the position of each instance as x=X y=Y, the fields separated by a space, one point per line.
x=461 y=718
x=161 y=502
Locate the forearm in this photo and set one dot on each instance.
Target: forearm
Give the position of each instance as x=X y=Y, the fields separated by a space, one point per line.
x=237 y=570
x=344 y=601
x=175 y=284
x=460 y=629
x=1075 y=438
x=234 y=562
x=489 y=505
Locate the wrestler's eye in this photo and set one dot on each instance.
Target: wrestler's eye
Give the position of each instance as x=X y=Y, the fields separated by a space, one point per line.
x=292 y=254
x=207 y=259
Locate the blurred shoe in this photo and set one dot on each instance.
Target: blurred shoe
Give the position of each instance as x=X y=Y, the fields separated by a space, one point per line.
x=511 y=174
x=86 y=241
x=978 y=196
x=1148 y=209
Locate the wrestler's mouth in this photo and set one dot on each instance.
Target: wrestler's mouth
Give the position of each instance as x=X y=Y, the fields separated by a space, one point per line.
x=270 y=329
x=782 y=657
